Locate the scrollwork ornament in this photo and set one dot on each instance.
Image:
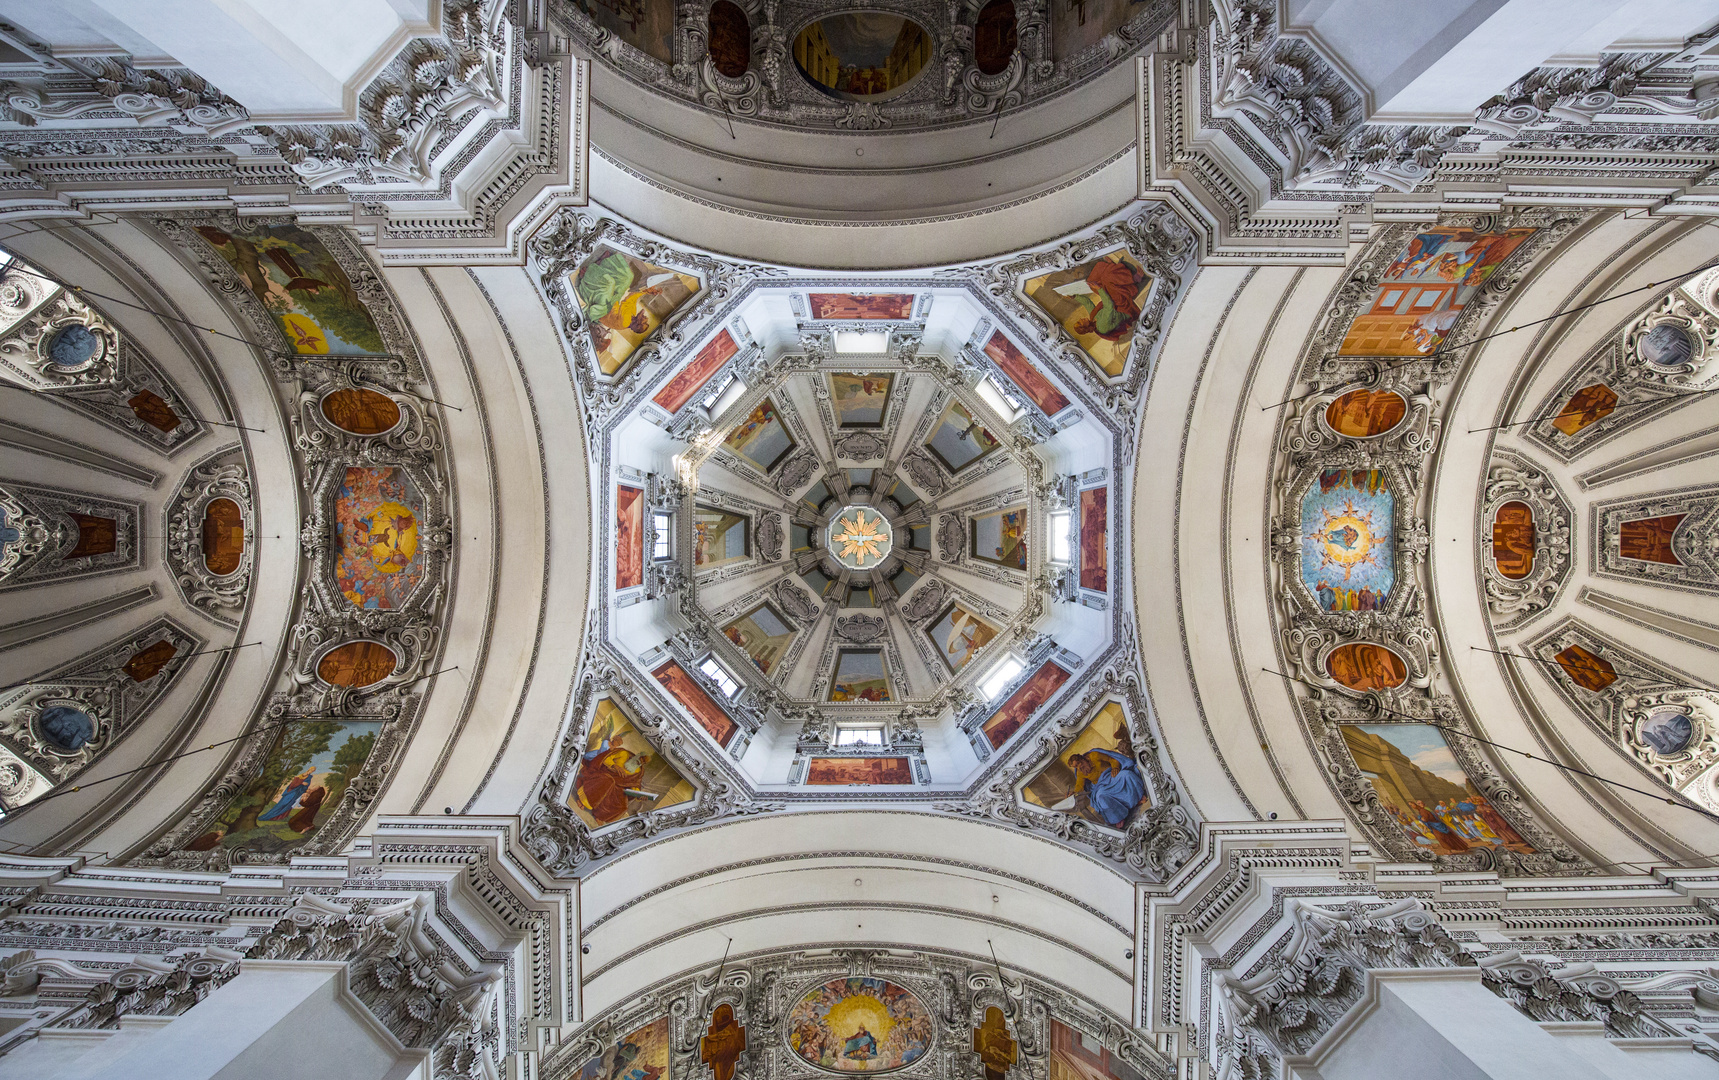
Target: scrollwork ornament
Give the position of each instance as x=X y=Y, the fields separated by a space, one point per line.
x=222 y=596
x=1513 y=601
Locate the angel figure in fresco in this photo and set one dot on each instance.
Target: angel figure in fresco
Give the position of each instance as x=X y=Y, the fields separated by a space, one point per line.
x=609 y=776
x=1110 y=293
x=290 y=793
x=965 y=638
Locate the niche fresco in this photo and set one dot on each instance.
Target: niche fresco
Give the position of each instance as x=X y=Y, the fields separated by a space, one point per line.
x=360 y=411
x=302 y=286
x=223 y=536
x=761 y=634
x=1015 y=364
x=897 y=306
x=357 y=664
x=995 y=37
x=861 y=54
x=860 y=400
x=629 y=536
x=686 y=690
x=959 y=634
x=303 y=781
x=729 y=39
x=858 y=770
x=376 y=513
x=1363 y=667
x=1023 y=703
x=1421 y=295
x=621 y=775
x=1098 y=303
x=691 y=378
x=1094 y=777
x=860 y=1024
x=1001 y=538
x=624 y=300
x=762 y=438
x=719 y=537
x=1348 y=558
x=1419 y=780
x=860 y=676
x=1364 y=414
x=1513 y=540
x=959 y=440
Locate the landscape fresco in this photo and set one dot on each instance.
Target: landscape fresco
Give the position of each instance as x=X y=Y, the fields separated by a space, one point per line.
x=959 y=440
x=624 y=300
x=850 y=306
x=640 y=1055
x=858 y=770
x=762 y=635
x=1348 y=554
x=302 y=782
x=1419 y=781
x=1095 y=776
x=1094 y=539
x=1075 y=1055
x=859 y=400
x=1098 y=303
x=691 y=379
x=719 y=537
x=860 y=676
x=629 y=536
x=1023 y=374
x=301 y=285
x=762 y=438
x=959 y=635
x=859 y=1024
x=686 y=690
x=1001 y=538
x=1421 y=295
x=1023 y=703
x=621 y=775
x=376 y=535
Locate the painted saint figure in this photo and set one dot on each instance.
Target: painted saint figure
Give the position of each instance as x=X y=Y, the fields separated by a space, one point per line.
x=1108 y=785
x=608 y=777
x=860 y=1045
x=289 y=795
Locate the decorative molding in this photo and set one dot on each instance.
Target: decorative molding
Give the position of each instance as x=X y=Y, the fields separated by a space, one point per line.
x=221 y=475
x=1513 y=602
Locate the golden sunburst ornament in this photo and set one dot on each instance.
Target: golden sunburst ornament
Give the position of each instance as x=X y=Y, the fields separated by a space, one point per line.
x=860 y=537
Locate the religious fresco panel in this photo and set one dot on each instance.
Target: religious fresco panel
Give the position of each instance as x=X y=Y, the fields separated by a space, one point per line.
x=1075 y=1055
x=376 y=513
x=624 y=300
x=861 y=675
x=687 y=690
x=629 y=536
x=303 y=780
x=896 y=306
x=1419 y=780
x=1098 y=303
x=860 y=1024
x=1023 y=703
x=858 y=770
x=761 y=634
x=1364 y=414
x=1363 y=667
x=1513 y=540
x=1095 y=539
x=638 y=1055
x=1094 y=777
x=646 y=25
x=1001 y=538
x=859 y=400
x=719 y=537
x=621 y=775
x=959 y=634
x=1421 y=295
x=301 y=285
x=959 y=439
x=691 y=379
x=1025 y=375
x=1348 y=559
x=762 y=438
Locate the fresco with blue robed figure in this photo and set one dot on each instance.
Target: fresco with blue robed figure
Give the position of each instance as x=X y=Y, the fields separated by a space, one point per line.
x=1348 y=556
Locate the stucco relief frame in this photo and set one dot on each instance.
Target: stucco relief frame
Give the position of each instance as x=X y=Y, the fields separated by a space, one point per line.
x=1693 y=542
x=1515 y=602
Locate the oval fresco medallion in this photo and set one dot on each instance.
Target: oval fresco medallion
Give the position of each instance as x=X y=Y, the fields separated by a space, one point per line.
x=1363 y=414
x=995 y=37
x=223 y=536
x=356 y=664
x=730 y=40
x=361 y=411
x=1668 y=730
x=73 y=346
x=861 y=1025
x=1363 y=666
x=376 y=515
x=862 y=54
x=1513 y=540
x=1667 y=345
x=65 y=728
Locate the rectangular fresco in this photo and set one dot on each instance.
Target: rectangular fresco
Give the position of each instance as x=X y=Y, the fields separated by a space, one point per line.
x=1023 y=374
x=1075 y=1055
x=859 y=400
x=301 y=285
x=1001 y=538
x=959 y=440
x=646 y=25
x=1421 y=295
x=624 y=300
x=378 y=563
x=1095 y=776
x=761 y=634
x=642 y=1055
x=691 y=378
x=850 y=306
x=959 y=635
x=1418 y=779
x=303 y=780
x=1025 y=701
x=719 y=537
x=629 y=536
x=1095 y=539
x=859 y=770
x=1348 y=557
x=1650 y=539
x=762 y=438
x=860 y=676
x=621 y=775
x=1098 y=303
x=686 y=690
x=1586 y=406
